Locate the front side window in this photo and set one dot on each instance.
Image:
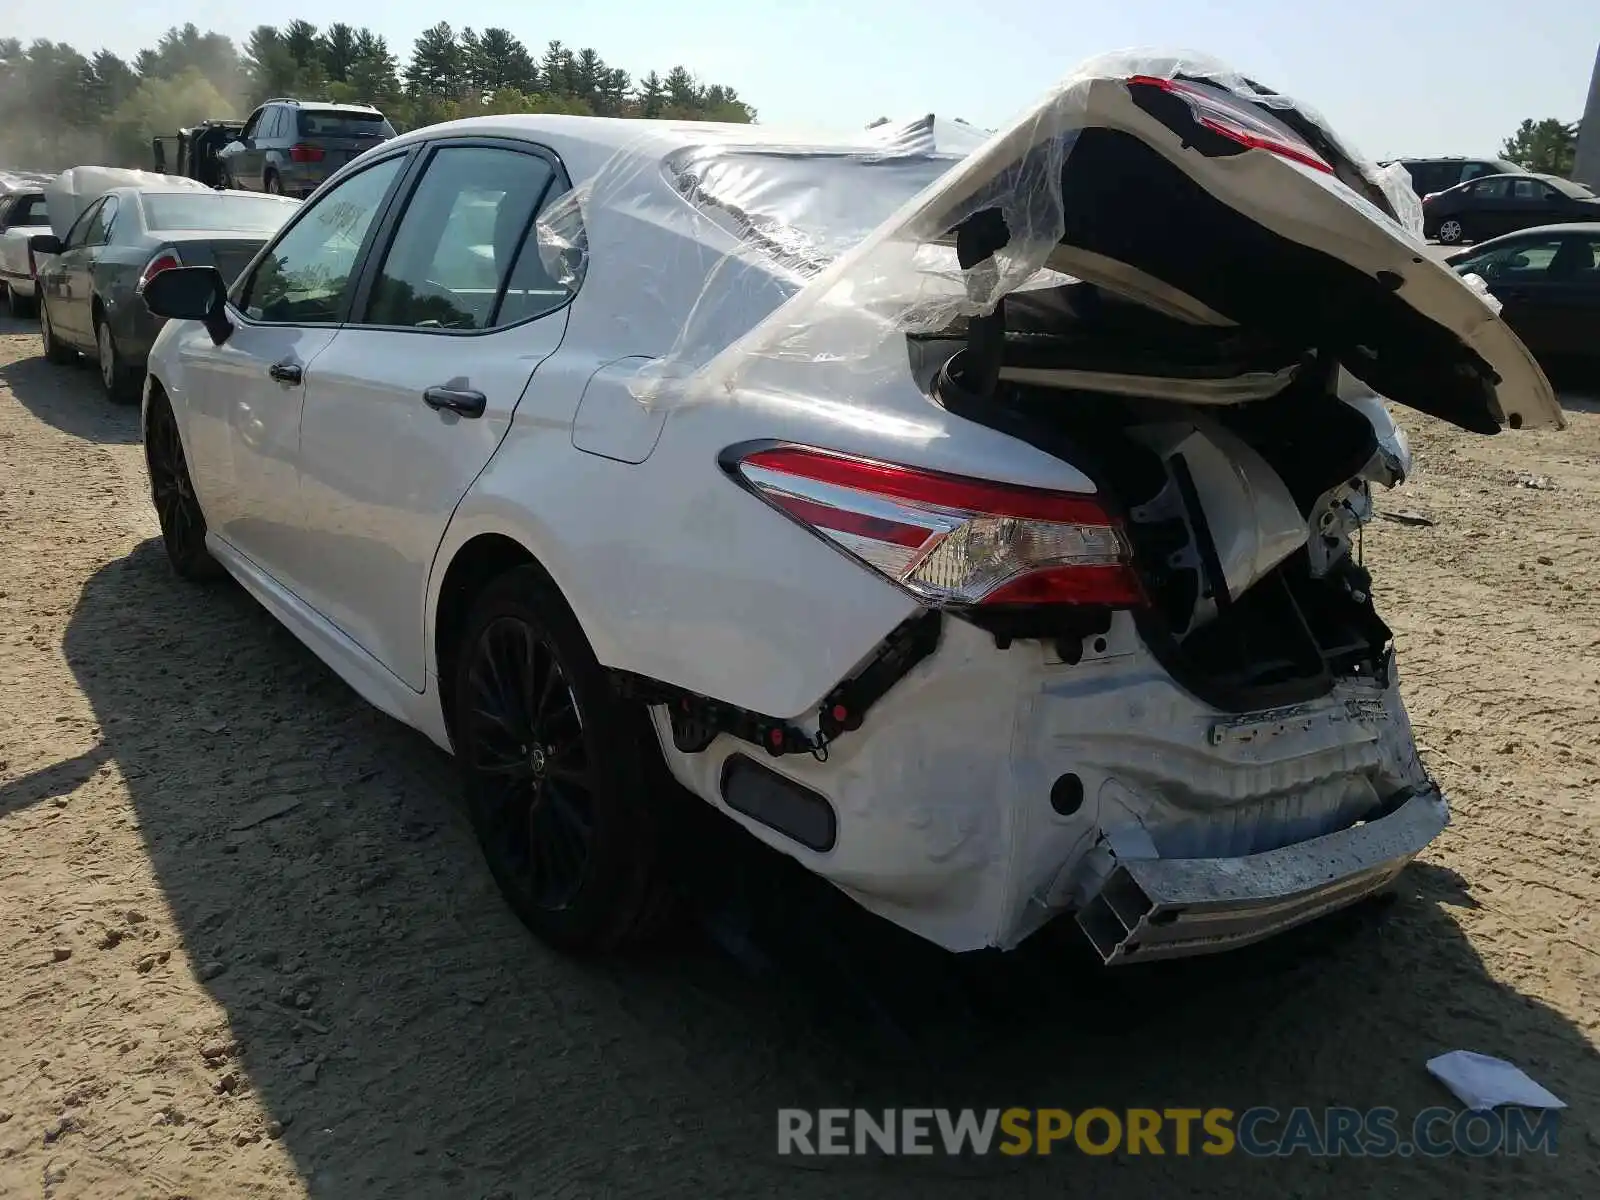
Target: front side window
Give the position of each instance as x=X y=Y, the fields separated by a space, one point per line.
x=462 y=232
x=305 y=278
x=1528 y=189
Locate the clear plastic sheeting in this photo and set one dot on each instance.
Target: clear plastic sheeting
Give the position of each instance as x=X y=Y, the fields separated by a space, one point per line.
x=928 y=134
x=745 y=254
x=72 y=191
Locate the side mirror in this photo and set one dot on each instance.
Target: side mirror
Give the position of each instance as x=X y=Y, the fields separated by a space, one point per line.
x=45 y=243
x=191 y=294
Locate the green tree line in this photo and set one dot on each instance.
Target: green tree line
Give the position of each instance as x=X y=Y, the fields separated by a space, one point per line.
x=1547 y=147
x=64 y=108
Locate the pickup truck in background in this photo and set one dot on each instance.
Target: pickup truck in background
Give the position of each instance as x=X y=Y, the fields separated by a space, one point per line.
x=22 y=214
x=192 y=153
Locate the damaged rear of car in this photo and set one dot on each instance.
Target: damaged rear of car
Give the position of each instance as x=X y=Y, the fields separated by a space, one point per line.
x=1148 y=685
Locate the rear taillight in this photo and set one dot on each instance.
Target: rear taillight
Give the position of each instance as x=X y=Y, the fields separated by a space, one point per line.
x=1429 y=197
x=948 y=539
x=33 y=266
x=1236 y=120
x=165 y=260
x=304 y=153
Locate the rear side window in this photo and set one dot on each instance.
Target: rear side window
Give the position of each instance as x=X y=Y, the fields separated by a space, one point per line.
x=30 y=210
x=325 y=123
x=462 y=233
x=1491 y=189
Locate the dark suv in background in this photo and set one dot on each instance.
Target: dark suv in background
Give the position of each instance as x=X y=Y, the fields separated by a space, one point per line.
x=1429 y=175
x=290 y=146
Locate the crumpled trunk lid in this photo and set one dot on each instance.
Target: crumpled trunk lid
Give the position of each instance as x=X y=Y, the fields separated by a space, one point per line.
x=1181 y=185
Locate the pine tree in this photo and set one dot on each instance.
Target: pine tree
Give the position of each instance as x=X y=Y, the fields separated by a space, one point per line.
x=435 y=68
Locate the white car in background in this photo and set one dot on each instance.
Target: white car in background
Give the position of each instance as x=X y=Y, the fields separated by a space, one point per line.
x=23 y=213
x=977 y=530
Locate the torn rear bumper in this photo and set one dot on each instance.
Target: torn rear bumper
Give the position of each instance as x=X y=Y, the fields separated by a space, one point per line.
x=1168 y=908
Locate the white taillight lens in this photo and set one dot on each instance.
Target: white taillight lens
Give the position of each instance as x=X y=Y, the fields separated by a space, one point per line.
x=1237 y=120
x=948 y=539
x=163 y=261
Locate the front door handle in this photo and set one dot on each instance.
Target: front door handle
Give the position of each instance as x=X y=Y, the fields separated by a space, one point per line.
x=457 y=400
x=286 y=372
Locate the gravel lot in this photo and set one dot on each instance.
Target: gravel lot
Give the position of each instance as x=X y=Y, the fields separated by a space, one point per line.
x=247 y=949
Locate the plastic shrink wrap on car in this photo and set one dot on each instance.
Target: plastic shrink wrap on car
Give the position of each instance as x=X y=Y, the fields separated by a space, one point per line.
x=23 y=181
x=72 y=191
x=927 y=135
x=746 y=250
x=856 y=280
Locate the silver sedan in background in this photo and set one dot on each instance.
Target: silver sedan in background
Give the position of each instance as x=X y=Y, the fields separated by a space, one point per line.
x=90 y=289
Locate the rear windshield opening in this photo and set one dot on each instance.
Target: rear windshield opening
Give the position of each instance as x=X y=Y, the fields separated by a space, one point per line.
x=803 y=208
x=214 y=211
x=322 y=123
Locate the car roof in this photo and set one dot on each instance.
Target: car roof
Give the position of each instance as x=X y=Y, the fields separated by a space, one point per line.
x=586 y=144
x=321 y=105
x=1581 y=228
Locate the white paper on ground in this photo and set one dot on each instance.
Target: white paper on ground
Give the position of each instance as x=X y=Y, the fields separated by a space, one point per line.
x=1481 y=1082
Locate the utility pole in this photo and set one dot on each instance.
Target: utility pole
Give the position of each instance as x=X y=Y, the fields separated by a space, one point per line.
x=1586 y=166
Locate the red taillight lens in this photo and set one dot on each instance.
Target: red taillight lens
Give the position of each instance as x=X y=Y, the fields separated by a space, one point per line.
x=164 y=261
x=949 y=539
x=33 y=267
x=305 y=153
x=1236 y=120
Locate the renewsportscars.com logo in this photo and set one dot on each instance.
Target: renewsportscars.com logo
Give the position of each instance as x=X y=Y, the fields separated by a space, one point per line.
x=1215 y=1132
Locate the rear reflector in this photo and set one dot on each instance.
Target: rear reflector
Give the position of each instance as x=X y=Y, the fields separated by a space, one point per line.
x=164 y=260
x=1237 y=120
x=949 y=539
x=303 y=153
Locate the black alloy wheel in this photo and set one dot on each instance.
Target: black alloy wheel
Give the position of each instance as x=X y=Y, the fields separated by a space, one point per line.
x=557 y=769
x=183 y=523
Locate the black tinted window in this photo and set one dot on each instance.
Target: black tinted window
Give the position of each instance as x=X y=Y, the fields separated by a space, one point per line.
x=323 y=123
x=454 y=247
x=304 y=278
x=30 y=210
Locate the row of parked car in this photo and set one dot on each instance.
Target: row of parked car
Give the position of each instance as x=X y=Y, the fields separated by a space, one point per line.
x=979 y=529
x=78 y=250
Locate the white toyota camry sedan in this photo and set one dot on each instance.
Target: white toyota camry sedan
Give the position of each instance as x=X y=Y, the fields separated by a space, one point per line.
x=981 y=531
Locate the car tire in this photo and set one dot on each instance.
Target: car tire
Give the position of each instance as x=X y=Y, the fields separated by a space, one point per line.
x=564 y=779
x=55 y=350
x=120 y=380
x=183 y=522
x=1452 y=232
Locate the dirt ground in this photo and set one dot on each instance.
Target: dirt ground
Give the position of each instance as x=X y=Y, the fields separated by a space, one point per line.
x=247 y=947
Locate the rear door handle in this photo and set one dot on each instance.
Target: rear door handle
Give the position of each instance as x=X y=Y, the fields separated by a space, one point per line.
x=286 y=372
x=456 y=400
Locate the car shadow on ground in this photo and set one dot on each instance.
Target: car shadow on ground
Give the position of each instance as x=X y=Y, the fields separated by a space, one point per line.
x=37 y=385
x=413 y=1040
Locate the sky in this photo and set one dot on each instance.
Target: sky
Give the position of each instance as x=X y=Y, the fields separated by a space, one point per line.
x=1394 y=77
